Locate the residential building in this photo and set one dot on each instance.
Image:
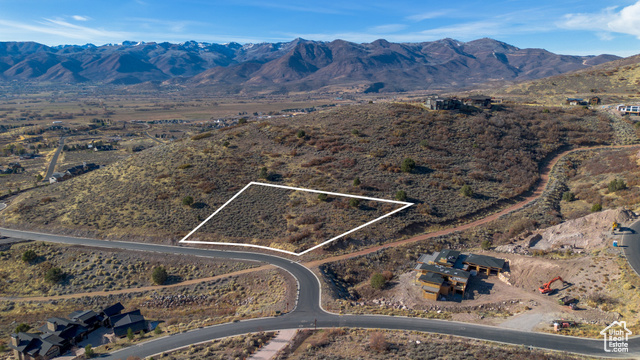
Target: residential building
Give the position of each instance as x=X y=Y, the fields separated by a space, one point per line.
x=438 y=103
x=109 y=312
x=36 y=347
x=480 y=101
x=448 y=271
x=132 y=320
x=575 y=102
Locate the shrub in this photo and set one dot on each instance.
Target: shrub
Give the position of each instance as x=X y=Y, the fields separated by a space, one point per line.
x=354 y=202
x=202 y=136
x=159 y=275
x=225 y=144
x=616 y=184
x=424 y=143
x=486 y=245
x=242 y=120
x=184 y=166
x=378 y=342
x=264 y=173
x=355 y=132
x=387 y=275
x=29 y=256
x=22 y=328
x=378 y=281
x=300 y=134
x=157 y=330
x=88 y=352
x=466 y=190
x=322 y=197
x=187 y=201
x=129 y=334
x=568 y=196
x=596 y=207
x=356 y=181
x=401 y=195
x=54 y=275
x=407 y=165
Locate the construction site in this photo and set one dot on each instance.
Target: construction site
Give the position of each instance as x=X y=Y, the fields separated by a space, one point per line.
x=565 y=278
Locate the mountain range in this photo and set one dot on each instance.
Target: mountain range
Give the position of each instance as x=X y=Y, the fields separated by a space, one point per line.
x=299 y=65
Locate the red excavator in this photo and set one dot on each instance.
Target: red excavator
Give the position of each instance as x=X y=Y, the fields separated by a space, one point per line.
x=546 y=288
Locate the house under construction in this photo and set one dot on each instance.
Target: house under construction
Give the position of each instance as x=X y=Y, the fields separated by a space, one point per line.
x=448 y=271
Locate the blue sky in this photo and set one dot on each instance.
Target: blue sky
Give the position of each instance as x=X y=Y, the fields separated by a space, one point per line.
x=561 y=26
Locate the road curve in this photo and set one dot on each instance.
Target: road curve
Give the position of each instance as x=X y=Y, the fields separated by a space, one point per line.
x=308 y=312
x=631 y=243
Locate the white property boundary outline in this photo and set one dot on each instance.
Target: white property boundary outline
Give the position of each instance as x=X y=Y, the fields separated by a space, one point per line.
x=184 y=240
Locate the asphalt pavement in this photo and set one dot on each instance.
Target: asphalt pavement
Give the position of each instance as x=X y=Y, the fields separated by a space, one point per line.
x=309 y=314
x=631 y=243
x=54 y=160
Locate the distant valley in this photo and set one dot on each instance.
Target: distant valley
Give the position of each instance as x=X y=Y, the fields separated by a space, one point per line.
x=288 y=67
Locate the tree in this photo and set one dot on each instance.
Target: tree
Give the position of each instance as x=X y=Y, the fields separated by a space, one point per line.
x=187 y=201
x=466 y=190
x=408 y=165
x=378 y=281
x=242 y=120
x=568 y=196
x=29 y=255
x=322 y=197
x=596 y=207
x=300 y=134
x=356 y=181
x=354 y=202
x=129 y=334
x=616 y=184
x=54 y=275
x=159 y=275
x=486 y=244
x=39 y=177
x=401 y=195
x=264 y=173
x=22 y=328
x=88 y=352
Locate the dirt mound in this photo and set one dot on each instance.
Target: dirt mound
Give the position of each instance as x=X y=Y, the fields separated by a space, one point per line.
x=588 y=232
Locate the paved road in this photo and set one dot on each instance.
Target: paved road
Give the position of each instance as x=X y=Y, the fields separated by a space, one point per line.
x=54 y=160
x=632 y=246
x=308 y=310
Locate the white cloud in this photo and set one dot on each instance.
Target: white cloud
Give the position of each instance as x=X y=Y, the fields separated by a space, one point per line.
x=80 y=18
x=623 y=21
x=56 y=31
x=428 y=15
x=389 y=28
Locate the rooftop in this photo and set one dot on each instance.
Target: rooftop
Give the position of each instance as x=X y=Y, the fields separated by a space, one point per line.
x=431 y=278
x=446 y=271
x=486 y=261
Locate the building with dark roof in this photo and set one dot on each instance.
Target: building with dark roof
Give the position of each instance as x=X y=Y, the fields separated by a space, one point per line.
x=38 y=347
x=70 y=331
x=448 y=271
x=87 y=318
x=109 y=312
x=484 y=263
x=132 y=320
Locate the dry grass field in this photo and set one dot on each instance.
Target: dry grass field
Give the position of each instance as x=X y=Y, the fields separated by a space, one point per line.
x=371 y=344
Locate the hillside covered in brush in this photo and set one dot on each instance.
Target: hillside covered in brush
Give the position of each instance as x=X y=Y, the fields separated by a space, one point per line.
x=496 y=153
x=615 y=81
